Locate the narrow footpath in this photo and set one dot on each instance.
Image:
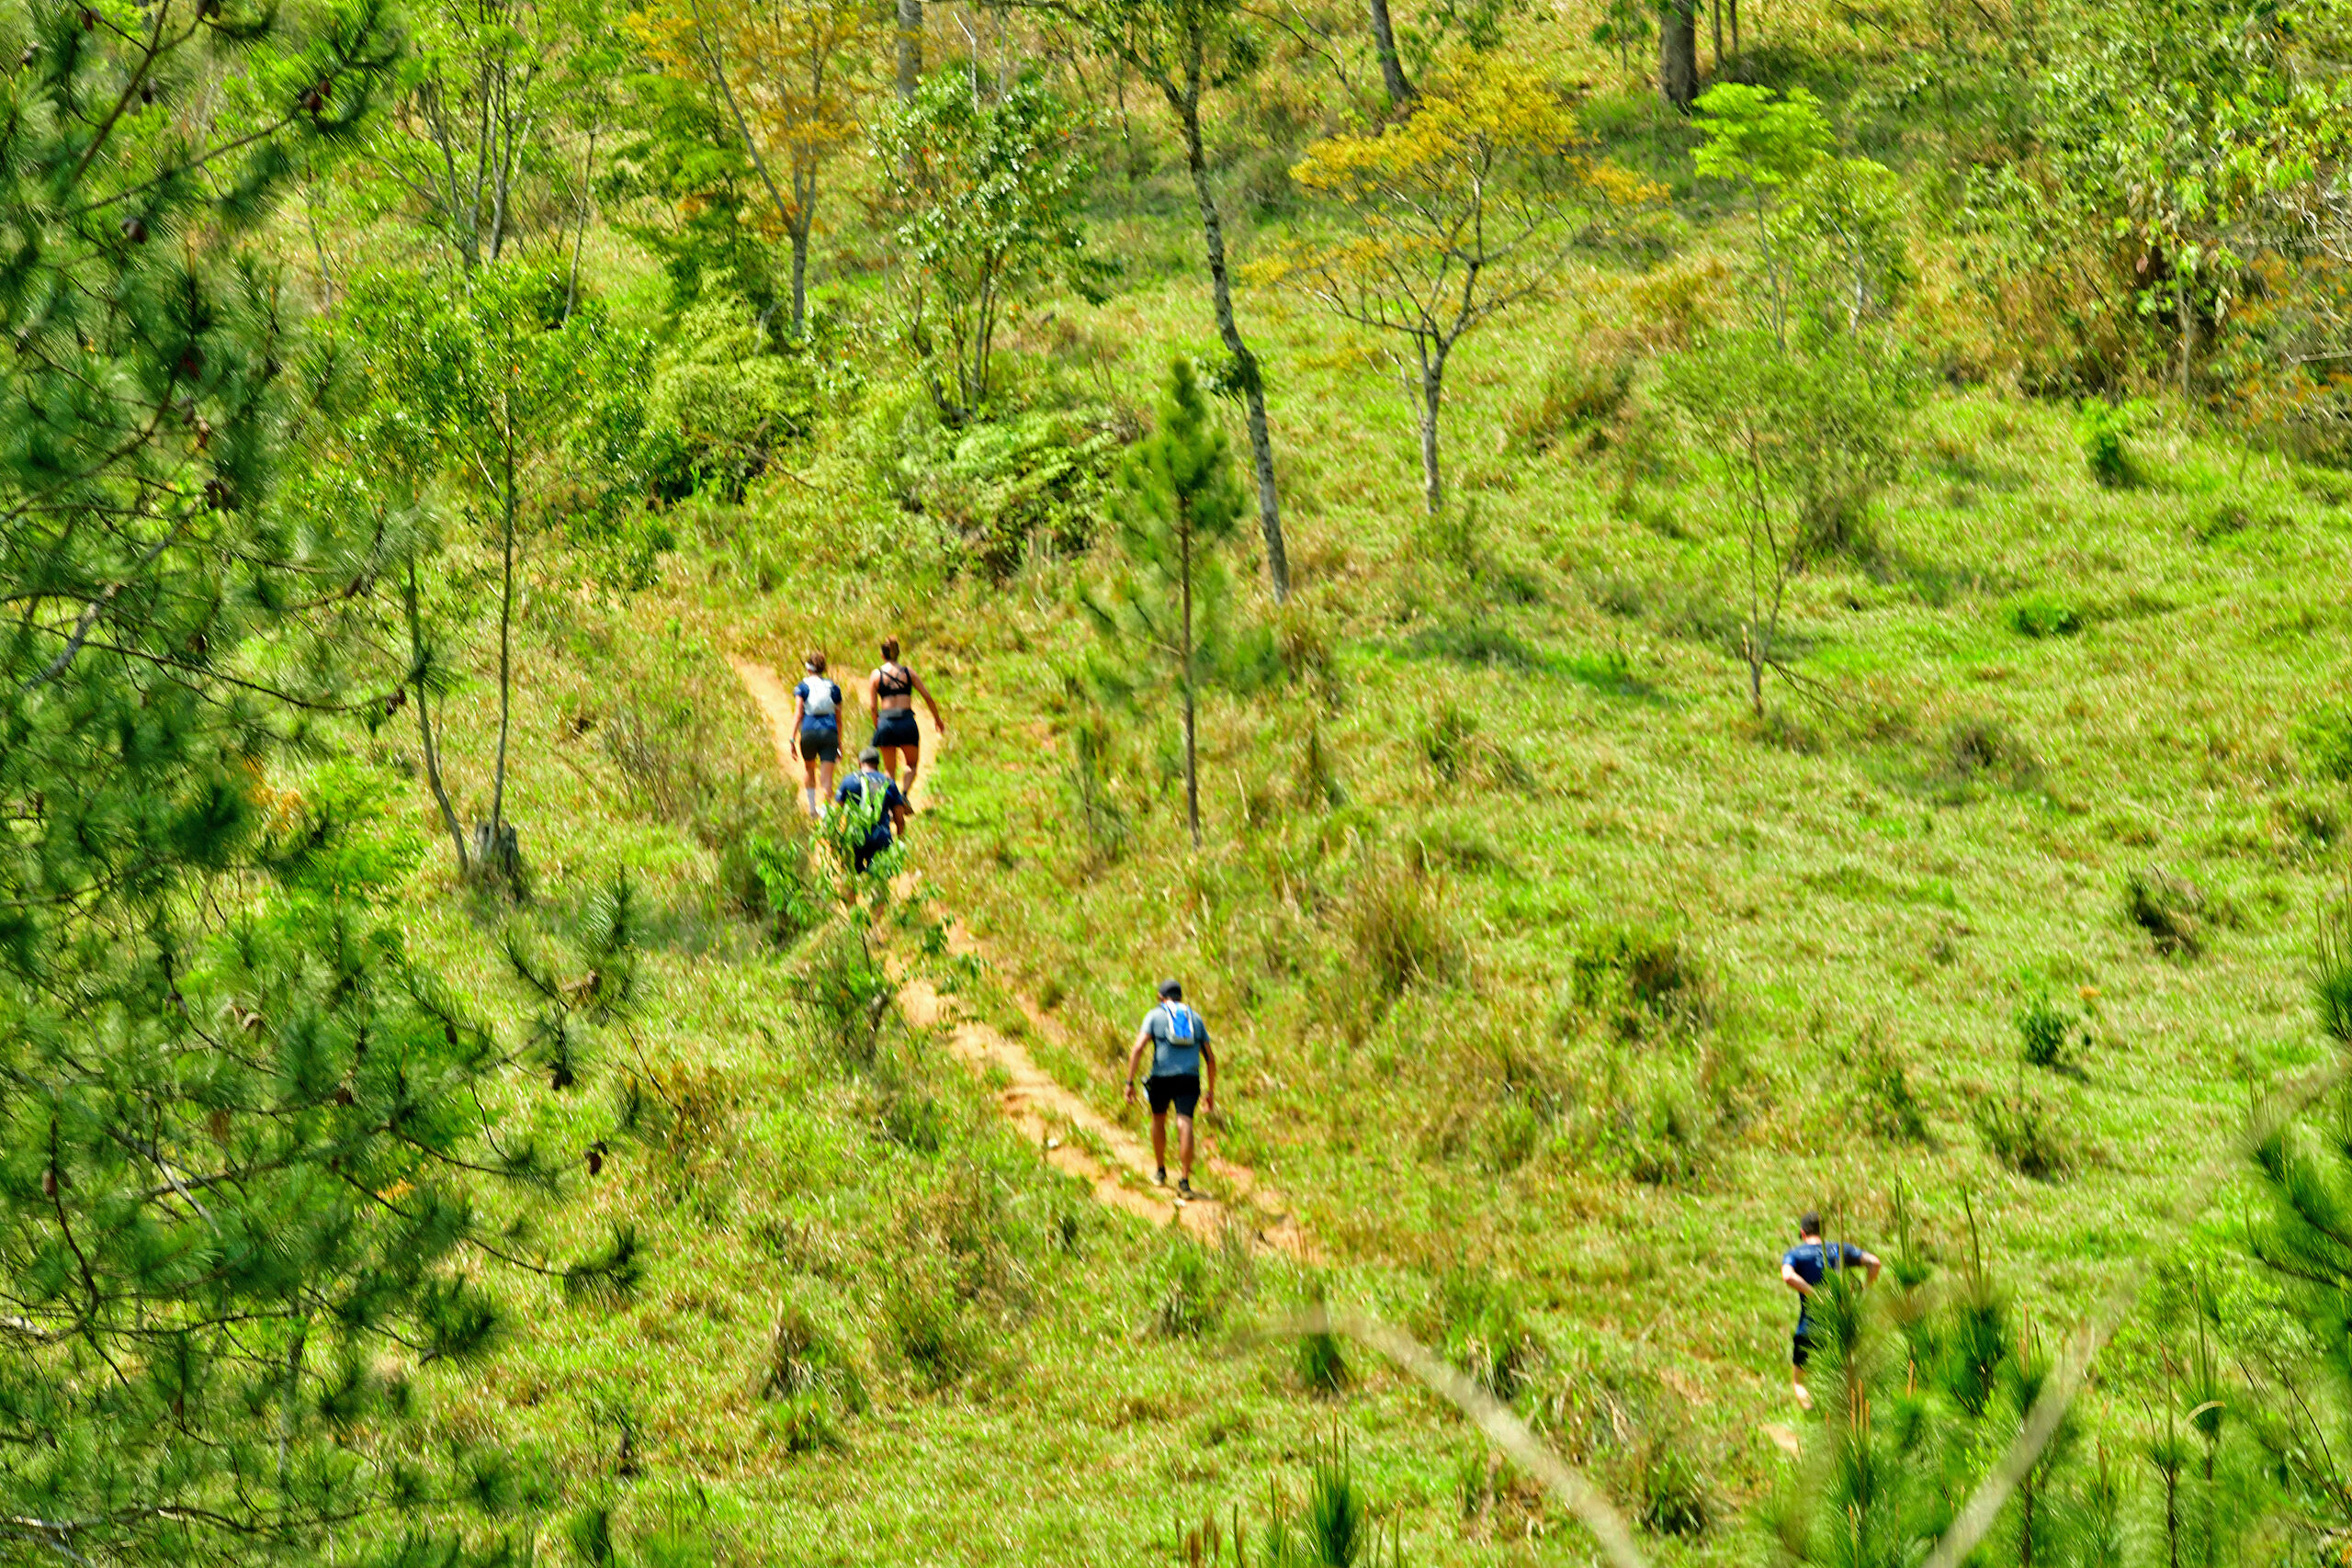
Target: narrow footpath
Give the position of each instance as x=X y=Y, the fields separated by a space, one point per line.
x=1073 y=1137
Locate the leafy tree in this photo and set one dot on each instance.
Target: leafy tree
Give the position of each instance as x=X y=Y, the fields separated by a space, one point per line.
x=1167 y=619
x=986 y=196
x=1452 y=216
x=789 y=75
x=246 y=1178
x=1183 y=47
x=481 y=390
x=1829 y=251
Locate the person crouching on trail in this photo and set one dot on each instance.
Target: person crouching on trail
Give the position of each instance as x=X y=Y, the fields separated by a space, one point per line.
x=1179 y=1050
x=1803 y=1268
x=817 y=729
x=870 y=790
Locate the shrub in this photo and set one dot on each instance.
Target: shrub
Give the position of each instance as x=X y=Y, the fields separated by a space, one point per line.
x=1982 y=751
x=845 y=993
x=1192 y=1290
x=928 y=1329
x=719 y=405
x=1322 y=1363
x=2103 y=429
x=806 y=1362
x=2332 y=972
x=2046 y=1036
x=1881 y=1098
x=1446 y=742
x=2171 y=910
x=1639 y=975
x=1399 y=932
x=1579 y=394
x=2325 y=736
x=1335 y=1526
x=2027 y=1132
x=1671 y=1495
x=1482 y=1332
x=804 y=1422
x=2044 y=615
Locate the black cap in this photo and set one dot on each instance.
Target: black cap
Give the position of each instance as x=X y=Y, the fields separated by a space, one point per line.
x=869 y=757
x=1170 y=989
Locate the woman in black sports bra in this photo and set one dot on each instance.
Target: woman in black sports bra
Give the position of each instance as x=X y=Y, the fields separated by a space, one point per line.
x=890 y=692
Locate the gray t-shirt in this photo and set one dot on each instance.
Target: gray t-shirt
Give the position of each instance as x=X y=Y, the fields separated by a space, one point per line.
x=1177 y=1035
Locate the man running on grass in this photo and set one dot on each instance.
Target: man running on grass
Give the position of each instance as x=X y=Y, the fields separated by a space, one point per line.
x=1803 y=1268
x=1179 y=1048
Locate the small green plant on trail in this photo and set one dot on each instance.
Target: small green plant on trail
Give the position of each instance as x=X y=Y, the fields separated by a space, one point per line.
x=1166 y=620
x=984 y=193
x=1333 y=1525
x=1449 y=218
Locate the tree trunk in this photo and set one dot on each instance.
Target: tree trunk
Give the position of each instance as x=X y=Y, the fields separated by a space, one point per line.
x=1732 y=6
x=1432 y=392
x=1192 y=752
x=1718 y=16
x=1244 y=364
x=424 y=723
x=1677 y=52
x=1392 y=65
x=909 y=49
x=2187 y=304
x=497 y=824
x=800 y=276
x=580 y=240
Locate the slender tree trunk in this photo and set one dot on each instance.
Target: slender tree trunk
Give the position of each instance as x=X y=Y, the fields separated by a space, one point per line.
x=1187 y=106
x=910 y=48
x=1677 y=52
x=1733 y=8
x=1191 y=753
x=1432 y=393
x=735 y=112
x=505 y=635
x=1718 y=17
x=580 y=240
x=1392 y=65
x=424 y=723
x=800 y=276
x=2186 y=302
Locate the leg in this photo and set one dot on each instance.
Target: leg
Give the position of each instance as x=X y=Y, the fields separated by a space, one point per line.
x=1801 y=1351
x=1159 y=1139
x=825 y=798
x=808 y=781
x=1184 y=1143
x=914 y=761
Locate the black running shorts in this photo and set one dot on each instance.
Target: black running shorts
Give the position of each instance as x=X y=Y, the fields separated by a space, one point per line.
x=820 y=745
x=896 y=727
x=1182 y=1090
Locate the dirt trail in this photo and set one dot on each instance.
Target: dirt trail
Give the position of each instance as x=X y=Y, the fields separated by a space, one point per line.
x=1070 y=1134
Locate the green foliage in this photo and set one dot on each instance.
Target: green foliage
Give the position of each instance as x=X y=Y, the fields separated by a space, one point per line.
x=1166 y=620
x=2324 y=736
x=1482 y=1330
x=2046 y=1036
x=2103 y=429
x=721 y=406
x=2026 y=1130
x=2172 y=910
x=2044 y=615
x=251 y=1173
x=986 y=195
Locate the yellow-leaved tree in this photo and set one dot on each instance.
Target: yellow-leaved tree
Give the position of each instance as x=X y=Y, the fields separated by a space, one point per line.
x=789 y=75
x=1448 y=217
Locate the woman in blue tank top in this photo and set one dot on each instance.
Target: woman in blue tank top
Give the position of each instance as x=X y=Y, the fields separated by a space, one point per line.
x=817 y=729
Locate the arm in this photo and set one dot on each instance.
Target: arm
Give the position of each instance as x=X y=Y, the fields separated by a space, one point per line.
x=1208 y=1078
x=1871 y=1262
x=1794 y=1281
x=937 y=722
x=799 y=712
x=1135 y=1060
x=898 y=815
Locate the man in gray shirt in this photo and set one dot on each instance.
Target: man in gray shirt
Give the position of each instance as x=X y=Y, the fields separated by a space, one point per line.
x=1179 y=1041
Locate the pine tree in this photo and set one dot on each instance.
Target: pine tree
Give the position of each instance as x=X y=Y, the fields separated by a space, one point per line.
x=1167 y=619
x=243 y=1148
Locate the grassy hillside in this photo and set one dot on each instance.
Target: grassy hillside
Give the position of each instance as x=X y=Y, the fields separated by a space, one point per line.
x=1550 y=985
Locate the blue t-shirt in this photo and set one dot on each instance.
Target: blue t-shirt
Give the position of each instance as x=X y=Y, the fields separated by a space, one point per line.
x=866 y=784
x=1177 y=1035
x=1812 y=1260
x=827 y=696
